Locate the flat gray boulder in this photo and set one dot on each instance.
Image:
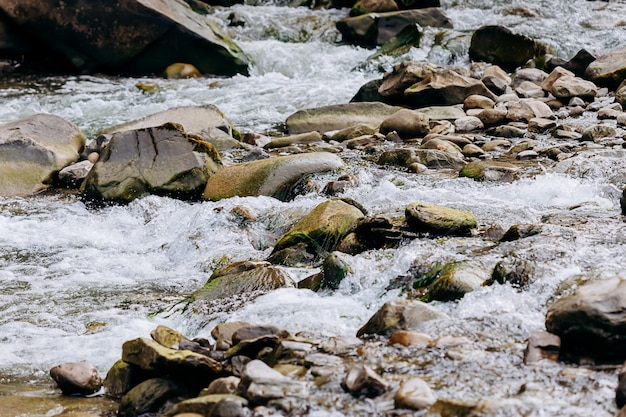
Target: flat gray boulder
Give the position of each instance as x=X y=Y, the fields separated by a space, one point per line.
x=128 y=36
x=33 y=150
x=162 y=160
x=206 y=121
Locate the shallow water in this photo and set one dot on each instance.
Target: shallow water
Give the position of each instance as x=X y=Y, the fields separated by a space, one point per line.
x=76 y=282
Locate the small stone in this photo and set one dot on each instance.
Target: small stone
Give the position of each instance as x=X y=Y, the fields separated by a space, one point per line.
x=362 y=380
x=542 y=345
x=414 y=394
x=223 y=333
x=77 y=378
x=410 y=338
x=181 y=70
x=598 y=132
x=473 y=150
x=226 y=385
x=540 y=125
x=93 y=157
x=527 y=154
x=468 y=124
x=260 y=383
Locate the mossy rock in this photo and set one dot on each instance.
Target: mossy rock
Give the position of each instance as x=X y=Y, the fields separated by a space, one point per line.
x=149 y=397
x=320 y=231
x=438 y=220
x=455 y=279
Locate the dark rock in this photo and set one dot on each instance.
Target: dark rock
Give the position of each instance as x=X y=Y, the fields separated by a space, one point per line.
x=400 y=315
x=213 y=405
x=514 y=271
x=375 y=29
x=500 y=46
x=608 y=70
x=368 y=92
x=168 y=32
x=403 y=76
x=149 y=397
x=223 y=333
x=521 y=231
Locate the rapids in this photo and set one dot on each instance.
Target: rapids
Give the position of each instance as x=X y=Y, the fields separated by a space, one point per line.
x=76 y=282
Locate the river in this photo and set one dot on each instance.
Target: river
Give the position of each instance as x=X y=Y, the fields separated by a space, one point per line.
x=76 y=282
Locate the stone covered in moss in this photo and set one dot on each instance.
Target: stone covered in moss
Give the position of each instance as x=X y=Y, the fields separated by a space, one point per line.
x=490 y=171
x=318 y=233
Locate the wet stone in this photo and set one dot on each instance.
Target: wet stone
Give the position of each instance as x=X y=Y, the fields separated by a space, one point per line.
x=362 y=380
x=542 y=345
x=414 y=394
x=77 y=378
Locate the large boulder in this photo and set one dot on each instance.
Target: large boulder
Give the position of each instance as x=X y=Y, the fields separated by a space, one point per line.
x=33 y=150
x=149 y=397
x=444 y=87
x=318 y=233
x=206 y=121
x=77 y=378
x=162 y=160
x=499 y=46
x=403 y=76
x=609 y=70
x=273 y=177
x=129 y=36
x=591 y=322
x=374 y=29
x=339 y=116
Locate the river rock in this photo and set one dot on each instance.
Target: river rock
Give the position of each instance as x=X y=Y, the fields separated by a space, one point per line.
x=361 y=380
x=598 y=132
x=121 y=377
x=608 y=70
x=432 y=158
x=400 y=315
x=183 y=365
x=410 y=338
x=556 y=73
x=441 y=113
x=33 y=150
x=149 y=397
x=213 y=405
x=73 y=175
x=374 y=29
x=542 y=346
x=260 y=383
x=491 y=171
x=275 y=177
x=401 y=77
x=438 y=220
x=591 y=322
x=226 y=385
x=339 y=116
x=162 y=160
x=414 y=394
x=620 y=94
x=242 y=280
x=318 y=233
x=206 y=121
x=180 y=70
x=568 y=86
x=468 y=124
x=498 y=45
x=77 y=378
x=407 y=123
x=445 y=87
x=169 y=31
x=362 y=7
x=223 y=333
x=514 y=271
x=451 y=281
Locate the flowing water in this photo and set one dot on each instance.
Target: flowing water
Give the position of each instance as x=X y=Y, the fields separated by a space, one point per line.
x=76 y=282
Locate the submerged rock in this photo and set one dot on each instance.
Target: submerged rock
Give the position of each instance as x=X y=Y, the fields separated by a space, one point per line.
x=33 y=150
x=162 y=160
x=275 y=177
x=168 y=31
x=591 y=322
x=451 y=281
x=491 y=171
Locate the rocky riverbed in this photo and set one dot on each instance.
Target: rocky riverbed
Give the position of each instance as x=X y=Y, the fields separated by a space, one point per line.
x=350 y=199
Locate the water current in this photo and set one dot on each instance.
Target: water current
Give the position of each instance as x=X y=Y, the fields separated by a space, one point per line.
x=76 y=282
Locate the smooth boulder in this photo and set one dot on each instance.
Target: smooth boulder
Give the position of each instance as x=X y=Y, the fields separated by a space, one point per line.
x=400 y=314
x=591 y=322
x=110 y=38
x=77 y=378
x=438 y=220
x=339 y=116
x=275 y=177
x=499 y=46
x=162 y=160
x=33 y=150
x=608 y=70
